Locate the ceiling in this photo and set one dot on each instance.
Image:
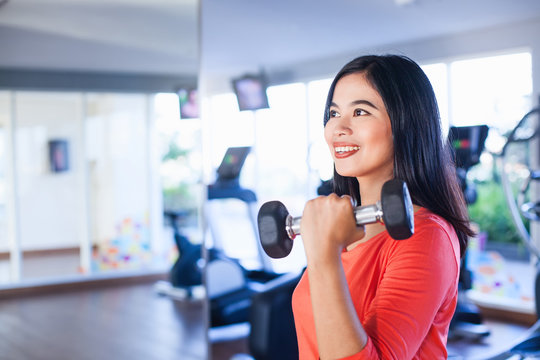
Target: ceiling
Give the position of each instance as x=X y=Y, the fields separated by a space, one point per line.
x=160 y=36
x=153 y=36
x=242 y=33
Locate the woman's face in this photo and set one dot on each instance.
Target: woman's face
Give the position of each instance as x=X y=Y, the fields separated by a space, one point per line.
x=358 y=132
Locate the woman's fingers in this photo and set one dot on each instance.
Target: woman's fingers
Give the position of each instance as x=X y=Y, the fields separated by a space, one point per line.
x=328 y=225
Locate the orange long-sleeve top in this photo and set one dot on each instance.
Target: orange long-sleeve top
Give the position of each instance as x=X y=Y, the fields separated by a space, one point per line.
x=404 y=293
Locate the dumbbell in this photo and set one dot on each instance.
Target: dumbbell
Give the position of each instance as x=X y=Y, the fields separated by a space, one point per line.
x=277 y=228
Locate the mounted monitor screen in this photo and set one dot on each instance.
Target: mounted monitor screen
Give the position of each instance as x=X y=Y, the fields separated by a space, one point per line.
x=232 y=162
x=250 y=92
x=187 y=99
x=468 y=144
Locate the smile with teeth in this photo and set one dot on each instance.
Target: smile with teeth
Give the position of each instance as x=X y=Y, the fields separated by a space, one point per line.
x=345 y=149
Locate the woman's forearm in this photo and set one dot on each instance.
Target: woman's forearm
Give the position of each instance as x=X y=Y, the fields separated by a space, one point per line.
x=339 y=331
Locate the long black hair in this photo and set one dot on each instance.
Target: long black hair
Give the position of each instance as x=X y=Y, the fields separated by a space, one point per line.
x=421 y=157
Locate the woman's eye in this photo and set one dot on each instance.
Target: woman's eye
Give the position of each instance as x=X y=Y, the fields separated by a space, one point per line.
x=360 y=112
x=334 y=113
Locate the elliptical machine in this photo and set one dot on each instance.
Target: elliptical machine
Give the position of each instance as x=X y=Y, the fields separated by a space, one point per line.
x=527 y=130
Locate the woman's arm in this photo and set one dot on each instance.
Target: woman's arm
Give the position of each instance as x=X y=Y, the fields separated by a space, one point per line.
x=339 y=331
x=328 y=226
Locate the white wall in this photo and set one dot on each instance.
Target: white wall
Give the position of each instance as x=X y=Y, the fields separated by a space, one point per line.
x=501 y=39
x=49 y=202
x=30 y=49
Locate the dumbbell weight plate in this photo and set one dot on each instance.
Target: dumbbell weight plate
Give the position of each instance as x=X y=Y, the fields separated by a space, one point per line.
x=271 y=220
x=398 y=213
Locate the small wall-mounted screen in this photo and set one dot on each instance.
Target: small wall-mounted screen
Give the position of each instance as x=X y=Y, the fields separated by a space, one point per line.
x=189 y=106
x=250 y=92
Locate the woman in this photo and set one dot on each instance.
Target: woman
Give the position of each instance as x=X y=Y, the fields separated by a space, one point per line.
x=365 y=295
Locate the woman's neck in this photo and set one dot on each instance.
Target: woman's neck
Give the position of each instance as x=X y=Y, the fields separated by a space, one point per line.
x=370 y=190
x=370 y=193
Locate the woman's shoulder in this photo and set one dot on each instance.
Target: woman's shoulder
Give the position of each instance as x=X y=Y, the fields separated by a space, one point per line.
x=432 y=231
x=426 y=220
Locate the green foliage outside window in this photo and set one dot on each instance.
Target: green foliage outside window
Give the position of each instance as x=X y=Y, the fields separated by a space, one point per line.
x=179 y=181
x=491 y=213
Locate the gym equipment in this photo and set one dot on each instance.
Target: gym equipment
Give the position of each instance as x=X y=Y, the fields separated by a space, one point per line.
x=527 y=130
x=187 y=270
x=273 y=334
x=468 y=144
x=227 y=186
x=231 y=286
x=186 y=275
x=277 y=228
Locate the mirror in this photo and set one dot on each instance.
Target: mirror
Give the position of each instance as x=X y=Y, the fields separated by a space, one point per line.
x=297 y=47
x=94 y=148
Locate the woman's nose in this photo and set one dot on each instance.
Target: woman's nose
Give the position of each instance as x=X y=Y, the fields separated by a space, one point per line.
x=342 y=128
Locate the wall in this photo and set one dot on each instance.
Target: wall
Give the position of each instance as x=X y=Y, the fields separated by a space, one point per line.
x=523 y=35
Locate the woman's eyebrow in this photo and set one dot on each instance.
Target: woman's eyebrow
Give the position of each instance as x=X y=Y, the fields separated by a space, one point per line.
x=364 y=102
x=357 y=102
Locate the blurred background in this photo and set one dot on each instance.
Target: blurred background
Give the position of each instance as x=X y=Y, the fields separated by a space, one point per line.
x=139 y=138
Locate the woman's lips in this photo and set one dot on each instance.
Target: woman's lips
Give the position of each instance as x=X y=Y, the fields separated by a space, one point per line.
x=341 y=152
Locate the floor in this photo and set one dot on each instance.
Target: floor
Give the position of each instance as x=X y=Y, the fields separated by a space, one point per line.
x=116 y=322
x=35 y=267
x=503 y=335
x=231 y=346
x=133 y=322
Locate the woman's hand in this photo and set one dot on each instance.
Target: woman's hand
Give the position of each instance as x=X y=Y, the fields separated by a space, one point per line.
x=328 y=226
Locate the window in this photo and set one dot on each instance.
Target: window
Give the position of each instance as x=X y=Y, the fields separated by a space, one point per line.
x=320 y=161
x=495 y=91
x=290 y=156
x=438 y=76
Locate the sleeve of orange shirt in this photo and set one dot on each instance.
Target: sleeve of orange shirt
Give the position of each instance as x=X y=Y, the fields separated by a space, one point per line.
x=420 y=279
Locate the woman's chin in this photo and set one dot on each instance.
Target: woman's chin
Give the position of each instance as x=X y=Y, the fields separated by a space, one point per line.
x=347 y=173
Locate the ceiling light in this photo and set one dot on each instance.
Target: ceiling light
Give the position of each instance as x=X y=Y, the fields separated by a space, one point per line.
x=404 y=2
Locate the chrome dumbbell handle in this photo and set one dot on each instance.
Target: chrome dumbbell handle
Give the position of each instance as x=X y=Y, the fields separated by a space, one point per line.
x=363 y=214
x=368 y=214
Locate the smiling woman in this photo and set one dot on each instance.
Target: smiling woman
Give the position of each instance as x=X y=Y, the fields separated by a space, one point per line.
x=296 y=46
x=361 y=289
